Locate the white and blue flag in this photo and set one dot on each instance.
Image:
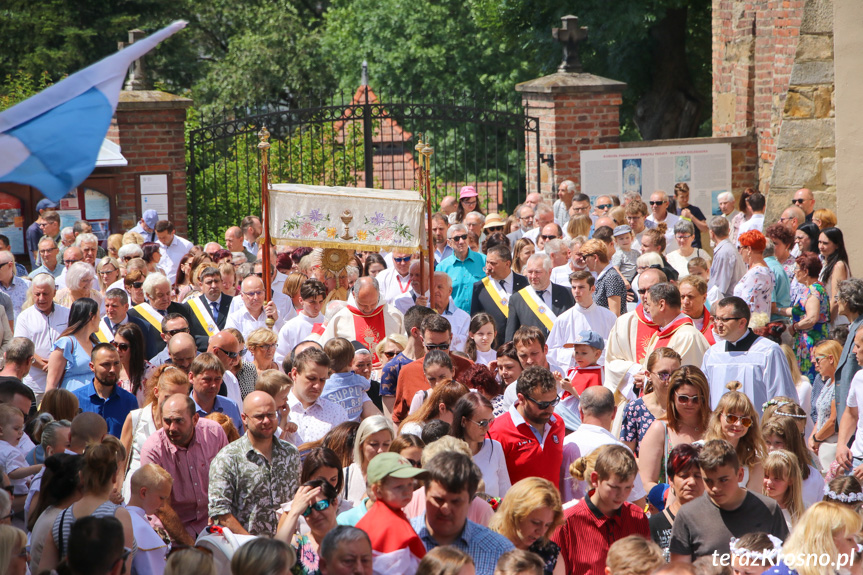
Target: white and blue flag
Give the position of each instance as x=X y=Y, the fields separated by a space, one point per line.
x=51 y=140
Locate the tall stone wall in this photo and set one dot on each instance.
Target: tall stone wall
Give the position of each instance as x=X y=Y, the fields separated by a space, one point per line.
x=754 y=45
x=806 y=149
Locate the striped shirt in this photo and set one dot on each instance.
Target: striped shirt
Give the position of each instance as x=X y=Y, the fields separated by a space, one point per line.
x=587 y=533
x=483 y=545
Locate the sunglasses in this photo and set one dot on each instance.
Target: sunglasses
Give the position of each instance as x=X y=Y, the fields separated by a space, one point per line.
x=797 y=201
x=492 y=229
x=121 y=346
x=136 y=285
x=484 y=423
x=460 y=238
x=605 y=206
x=128 y=258
x=230 y=354
x=321 y=505
x=687 y=399
x=405 y=259
x=544 y=404
x=390 y=354
x=545 y=237
x=173 y=332
x=735 y=419
x=70 y=262
x=414 y=462
x=663 y=375
x=652 y=203
x=433 y=346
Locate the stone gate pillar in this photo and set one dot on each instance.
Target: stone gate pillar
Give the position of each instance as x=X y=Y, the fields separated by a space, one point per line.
x=576 y=110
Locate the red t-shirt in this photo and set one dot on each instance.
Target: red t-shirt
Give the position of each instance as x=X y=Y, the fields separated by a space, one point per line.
x=586 y=535
x=525 y=457
x=412 y=379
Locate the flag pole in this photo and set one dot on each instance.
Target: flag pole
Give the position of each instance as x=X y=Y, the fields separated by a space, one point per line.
x=264 y=147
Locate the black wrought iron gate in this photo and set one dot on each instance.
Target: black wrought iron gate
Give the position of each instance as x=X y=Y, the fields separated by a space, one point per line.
x=362 y=141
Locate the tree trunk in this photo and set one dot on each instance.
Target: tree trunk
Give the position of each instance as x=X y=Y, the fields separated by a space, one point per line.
x=672 y=106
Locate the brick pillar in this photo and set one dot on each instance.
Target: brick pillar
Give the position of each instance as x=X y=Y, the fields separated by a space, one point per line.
x=576 y=111
x=150 y=128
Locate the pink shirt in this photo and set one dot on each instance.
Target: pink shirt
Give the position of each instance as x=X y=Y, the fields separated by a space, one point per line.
x=478 y=512
x=190 y=468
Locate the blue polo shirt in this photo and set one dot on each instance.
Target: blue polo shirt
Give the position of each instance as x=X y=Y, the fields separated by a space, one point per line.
x=114 y=409
x=222 y=405
x=464 y=274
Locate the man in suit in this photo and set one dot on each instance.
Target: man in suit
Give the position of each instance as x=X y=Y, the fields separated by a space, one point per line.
x=525 y=222
x=116 y=314
x=492 y=294
x=208 y=312
x=157 y=290
x=539 y=303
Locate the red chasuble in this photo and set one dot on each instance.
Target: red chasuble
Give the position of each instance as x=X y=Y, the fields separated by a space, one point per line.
x=644 y=332
x=369 y=329
x=707 y=328
x=664 y=335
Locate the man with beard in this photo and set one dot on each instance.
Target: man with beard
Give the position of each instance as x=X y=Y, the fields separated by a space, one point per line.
x=184 y=447
x=103 y=395
x=257 y=463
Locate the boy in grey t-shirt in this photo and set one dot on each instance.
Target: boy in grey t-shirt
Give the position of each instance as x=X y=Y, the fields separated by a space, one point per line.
x=706 y=525
x=624 y=257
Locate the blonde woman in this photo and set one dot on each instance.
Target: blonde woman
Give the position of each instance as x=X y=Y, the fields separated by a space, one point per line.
x=374 y=436
x=826 y=528
x=13 y=551
x=685 y=422
x=524 y=248
x=822 y=434
x=528 y=516
x=579 y=226
x=736 y=421
x=801 y=382
x=261 y=343
x=783 y=484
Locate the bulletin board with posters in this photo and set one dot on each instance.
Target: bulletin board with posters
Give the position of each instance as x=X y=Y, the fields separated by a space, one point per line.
x=705 y=168
x=12 y=222
x=86 y=203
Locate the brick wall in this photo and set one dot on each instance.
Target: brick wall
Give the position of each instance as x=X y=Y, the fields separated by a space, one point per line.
x=149 y=127
x=754 y=44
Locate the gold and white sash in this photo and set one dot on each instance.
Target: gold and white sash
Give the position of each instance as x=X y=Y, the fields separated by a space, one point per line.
x=104 y=335
x=150 y=314
x=203 y=315
x=541 y=309
x=497 y=294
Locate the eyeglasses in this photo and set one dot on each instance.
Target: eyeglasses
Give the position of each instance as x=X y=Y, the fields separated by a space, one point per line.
x=321 y=505
x=652 y=203
x=260 y=417
x=735 y=419
x=683 y=236
x=725 y=319
x=687 y=399
x=404 y=259
x=121 y=346
x=48 y=251
x=414 y=462
x=256 y=293
x=662 y=375
x=266 y=346
x=433 y=346
x=173 y=332
x=107 y=272
x=544 y=404
x=230 y=354
x=604 y=206
x=526 y=218
x=460 y=238
x=70 y=262
x=797 y=201
x=484 y=423
x=545 y=237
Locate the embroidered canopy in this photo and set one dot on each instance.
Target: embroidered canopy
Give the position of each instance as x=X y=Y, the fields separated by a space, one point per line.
x=346 y=218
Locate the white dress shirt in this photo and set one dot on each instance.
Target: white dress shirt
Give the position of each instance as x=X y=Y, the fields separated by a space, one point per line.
x=586 y=439
x=172 y=254
x=315 y=421
x=281 y=299
x=43 y=330
x=242 y=320
x=727 y=268
x=393 y=285
x=574 y=321
x=756 y=222
x=459 y=320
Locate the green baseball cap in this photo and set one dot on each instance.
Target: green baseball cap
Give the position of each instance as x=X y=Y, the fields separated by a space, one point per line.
x=391 y=464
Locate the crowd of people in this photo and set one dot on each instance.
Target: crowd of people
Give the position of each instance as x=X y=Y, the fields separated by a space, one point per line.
x=605 y=386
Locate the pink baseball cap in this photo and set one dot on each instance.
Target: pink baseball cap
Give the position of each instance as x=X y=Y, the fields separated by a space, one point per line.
x=467 y=192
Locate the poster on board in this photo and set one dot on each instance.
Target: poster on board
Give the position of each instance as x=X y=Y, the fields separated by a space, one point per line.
x=705 y=168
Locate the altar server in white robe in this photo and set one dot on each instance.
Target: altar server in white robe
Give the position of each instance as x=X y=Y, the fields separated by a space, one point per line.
x=585 y=315
x=755 y=361
x=312 y=295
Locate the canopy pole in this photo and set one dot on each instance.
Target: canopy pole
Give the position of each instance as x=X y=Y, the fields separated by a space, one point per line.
x=427 y=152
x=264 y=147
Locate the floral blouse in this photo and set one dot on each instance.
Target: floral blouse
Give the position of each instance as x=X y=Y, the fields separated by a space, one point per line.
x=307 y=557
x=636 y=421
x=756 y=289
